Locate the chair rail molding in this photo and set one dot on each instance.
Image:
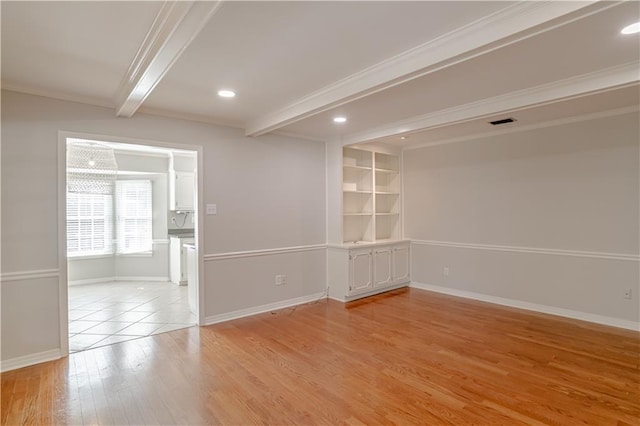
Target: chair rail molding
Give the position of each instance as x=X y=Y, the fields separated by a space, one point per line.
x=537 y=250
x=29 y=275
x=264 y=252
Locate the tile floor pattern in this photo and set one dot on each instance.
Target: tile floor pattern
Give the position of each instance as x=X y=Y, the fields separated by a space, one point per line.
x=107 y=313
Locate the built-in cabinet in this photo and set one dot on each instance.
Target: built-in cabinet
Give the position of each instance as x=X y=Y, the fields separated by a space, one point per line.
x=367 y=255
x=374 y=267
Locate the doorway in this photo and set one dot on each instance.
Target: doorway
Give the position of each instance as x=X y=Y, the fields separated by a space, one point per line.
x=121 y=223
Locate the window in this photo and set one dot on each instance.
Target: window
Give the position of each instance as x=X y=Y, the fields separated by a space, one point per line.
x=134 y=216
x=89 y=224
x=90 y=218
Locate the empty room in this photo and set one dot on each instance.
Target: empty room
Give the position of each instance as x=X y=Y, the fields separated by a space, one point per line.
x=320 y=212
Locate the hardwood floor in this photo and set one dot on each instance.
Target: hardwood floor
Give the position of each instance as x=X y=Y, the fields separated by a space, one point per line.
x=404 y=357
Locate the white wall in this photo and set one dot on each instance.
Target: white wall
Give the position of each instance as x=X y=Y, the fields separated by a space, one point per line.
x=270 y=193
x=547 y=217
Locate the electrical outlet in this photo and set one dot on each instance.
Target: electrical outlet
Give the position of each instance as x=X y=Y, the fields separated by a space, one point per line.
x=627 y=293
x=281 y=279
x=445 y=271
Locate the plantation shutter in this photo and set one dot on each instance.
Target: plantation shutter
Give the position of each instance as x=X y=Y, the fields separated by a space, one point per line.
x=89 y=222
x=134 y=216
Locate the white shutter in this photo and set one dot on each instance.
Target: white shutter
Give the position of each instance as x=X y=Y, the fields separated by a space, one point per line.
x=134 y=216
x=89 y=224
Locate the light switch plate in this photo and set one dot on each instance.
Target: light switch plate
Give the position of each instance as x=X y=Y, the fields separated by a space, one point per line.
x=212 y=209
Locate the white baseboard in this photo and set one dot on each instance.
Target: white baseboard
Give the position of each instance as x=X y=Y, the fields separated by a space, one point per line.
x=552 y=310
x=241 y=313
x=155 y=279
x=27 y=360
x=92 y=281
x=111 y=279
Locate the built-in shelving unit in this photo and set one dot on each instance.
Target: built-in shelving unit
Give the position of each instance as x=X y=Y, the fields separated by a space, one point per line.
x=366 y=255
x=370 y=196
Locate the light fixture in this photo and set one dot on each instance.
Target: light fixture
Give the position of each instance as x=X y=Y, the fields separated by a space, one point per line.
x=631 y=29
x=403 y=137
x=339 y=119
x=91 y=167
x=226 y=93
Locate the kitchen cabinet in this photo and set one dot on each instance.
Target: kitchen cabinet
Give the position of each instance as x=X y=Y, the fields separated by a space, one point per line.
x=178 y=259
x=181 y=191
x=364 y=269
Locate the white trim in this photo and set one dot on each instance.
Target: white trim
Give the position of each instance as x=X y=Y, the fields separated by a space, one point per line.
x=241 y=313
x=92 y=281
x=502 y=28
x=536 y=250
x=63 y=263
x=29 y=275
x=265 y=252
x=153 y=279
x=175 y=26
x=570 y=88
x=528 y=127
x=12 y=86
x=114 y=278
x=551 y=310
x=27 y=360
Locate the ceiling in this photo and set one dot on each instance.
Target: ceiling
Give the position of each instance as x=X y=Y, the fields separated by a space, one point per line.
x=426 y=70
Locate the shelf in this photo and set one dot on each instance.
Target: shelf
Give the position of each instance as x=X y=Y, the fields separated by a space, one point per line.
x=356 y=167
x=348 y=191
x=371 y=181
x=385 y=170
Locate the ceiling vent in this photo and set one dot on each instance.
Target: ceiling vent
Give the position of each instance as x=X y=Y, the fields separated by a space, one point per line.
x=503 y=121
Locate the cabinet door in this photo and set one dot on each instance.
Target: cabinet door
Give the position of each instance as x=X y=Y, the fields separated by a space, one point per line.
x=382 y=266
x=175 y=260
x=360 y=271
x=401 y=258
x=181 y=191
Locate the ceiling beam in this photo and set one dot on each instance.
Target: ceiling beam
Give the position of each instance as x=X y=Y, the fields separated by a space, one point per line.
x=574 y=87
x=510 y=25
x=174 y=28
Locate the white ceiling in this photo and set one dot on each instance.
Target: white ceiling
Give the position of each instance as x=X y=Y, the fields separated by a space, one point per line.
x=433 y=70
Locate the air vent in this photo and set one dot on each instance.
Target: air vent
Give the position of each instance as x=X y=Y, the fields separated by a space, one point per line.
x=503 y=121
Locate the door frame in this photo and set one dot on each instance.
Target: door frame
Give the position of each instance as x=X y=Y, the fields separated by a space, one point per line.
x=63 y=293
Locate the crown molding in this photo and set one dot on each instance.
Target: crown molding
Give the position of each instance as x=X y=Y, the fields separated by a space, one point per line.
x=55 y=94
x=519 y=129
x=574 y=87
x=176 y=25
x=190 y=117
x=505 y=27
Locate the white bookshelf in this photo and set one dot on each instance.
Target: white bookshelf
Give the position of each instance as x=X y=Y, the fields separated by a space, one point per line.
x=370 y=196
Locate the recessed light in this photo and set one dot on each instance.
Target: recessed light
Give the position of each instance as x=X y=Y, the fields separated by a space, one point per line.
x=339 y=119
x=226 y=93
x=403 y=137
x=631 y=29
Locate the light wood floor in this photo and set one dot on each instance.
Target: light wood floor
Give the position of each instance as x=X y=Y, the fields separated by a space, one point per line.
x=406 y=357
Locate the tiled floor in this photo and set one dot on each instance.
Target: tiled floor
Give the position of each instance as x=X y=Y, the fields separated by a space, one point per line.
x=108 y=313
